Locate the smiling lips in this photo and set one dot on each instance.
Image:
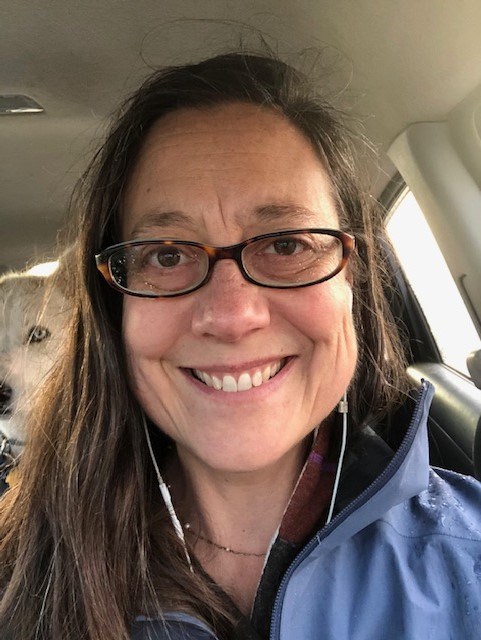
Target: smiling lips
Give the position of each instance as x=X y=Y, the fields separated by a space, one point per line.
x=243 y=382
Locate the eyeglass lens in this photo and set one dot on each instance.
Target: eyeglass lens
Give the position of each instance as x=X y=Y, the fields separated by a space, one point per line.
x=168 y=268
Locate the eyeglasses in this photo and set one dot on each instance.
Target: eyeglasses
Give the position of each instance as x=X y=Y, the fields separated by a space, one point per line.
x=282 y=260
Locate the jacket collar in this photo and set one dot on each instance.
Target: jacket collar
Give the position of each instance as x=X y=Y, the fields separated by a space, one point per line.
x=405 y=475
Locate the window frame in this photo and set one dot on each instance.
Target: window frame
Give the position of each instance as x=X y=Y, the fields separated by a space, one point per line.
x=454 y=423
x=402 y=299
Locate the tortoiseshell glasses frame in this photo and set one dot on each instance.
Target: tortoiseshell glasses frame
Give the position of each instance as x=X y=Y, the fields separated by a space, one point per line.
x=123 y=264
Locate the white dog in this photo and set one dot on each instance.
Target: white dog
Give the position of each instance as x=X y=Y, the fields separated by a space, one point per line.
x=33 y=315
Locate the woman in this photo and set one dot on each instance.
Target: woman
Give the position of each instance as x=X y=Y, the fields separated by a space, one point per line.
x=241 y=329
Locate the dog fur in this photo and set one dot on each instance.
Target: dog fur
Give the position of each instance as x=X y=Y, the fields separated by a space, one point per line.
x=33 y=315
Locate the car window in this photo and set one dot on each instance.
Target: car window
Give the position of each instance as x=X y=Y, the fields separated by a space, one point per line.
x=431 y=281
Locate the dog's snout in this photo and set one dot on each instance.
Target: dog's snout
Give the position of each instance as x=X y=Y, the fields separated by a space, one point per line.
x=5 y=398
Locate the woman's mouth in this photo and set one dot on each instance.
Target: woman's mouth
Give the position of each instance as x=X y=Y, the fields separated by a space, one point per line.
x=242 y=381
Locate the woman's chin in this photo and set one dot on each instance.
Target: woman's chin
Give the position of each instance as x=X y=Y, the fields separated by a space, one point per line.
x=254 y=458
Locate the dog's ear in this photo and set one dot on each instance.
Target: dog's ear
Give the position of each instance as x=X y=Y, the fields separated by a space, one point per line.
x=11 y=279
x=61 y=275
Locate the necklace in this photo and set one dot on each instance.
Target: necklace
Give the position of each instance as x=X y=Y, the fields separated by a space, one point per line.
x=188 y=529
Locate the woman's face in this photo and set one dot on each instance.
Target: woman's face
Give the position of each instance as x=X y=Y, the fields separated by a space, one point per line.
x=218 y=177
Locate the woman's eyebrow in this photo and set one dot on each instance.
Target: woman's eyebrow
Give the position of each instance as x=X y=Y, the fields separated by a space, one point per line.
x=162 y=219
x=275 y=212
x=272 y=212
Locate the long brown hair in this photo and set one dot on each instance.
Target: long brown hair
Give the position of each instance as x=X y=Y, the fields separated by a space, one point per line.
x=81 y=551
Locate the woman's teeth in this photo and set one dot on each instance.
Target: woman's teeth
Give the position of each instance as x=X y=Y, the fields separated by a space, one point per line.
x=244 y=382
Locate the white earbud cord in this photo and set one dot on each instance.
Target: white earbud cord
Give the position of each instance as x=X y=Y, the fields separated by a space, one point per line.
x=167 y=498
x=343 y=409
x=165 y=493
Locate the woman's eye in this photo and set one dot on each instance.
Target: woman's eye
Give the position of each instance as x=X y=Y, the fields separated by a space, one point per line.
x=167 y=257
x=285 y=247
x=37 y=334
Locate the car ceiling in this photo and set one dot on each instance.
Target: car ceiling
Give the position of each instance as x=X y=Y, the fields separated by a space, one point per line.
x=393 y=63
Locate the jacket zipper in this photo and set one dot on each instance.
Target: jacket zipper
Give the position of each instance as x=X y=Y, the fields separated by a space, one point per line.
x=362 y=498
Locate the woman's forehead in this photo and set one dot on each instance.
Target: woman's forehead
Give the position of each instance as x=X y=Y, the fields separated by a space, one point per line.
x=211 y=122
x=242 y=162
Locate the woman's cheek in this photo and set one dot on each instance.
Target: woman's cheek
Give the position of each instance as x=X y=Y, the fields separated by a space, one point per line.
x=324 y=310
x=150 y=327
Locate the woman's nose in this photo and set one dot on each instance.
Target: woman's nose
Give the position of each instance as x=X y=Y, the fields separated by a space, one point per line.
x=229 y=307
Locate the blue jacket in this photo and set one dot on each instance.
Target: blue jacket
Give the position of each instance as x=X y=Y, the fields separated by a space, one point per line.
x=401 y=561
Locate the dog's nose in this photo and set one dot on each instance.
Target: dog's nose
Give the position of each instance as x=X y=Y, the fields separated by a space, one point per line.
x=5 y=399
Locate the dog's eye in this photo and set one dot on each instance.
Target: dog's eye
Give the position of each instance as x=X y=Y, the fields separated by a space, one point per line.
x=37 y=334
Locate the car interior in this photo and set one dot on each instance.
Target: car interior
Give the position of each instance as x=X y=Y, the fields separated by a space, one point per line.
x=410 y=71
